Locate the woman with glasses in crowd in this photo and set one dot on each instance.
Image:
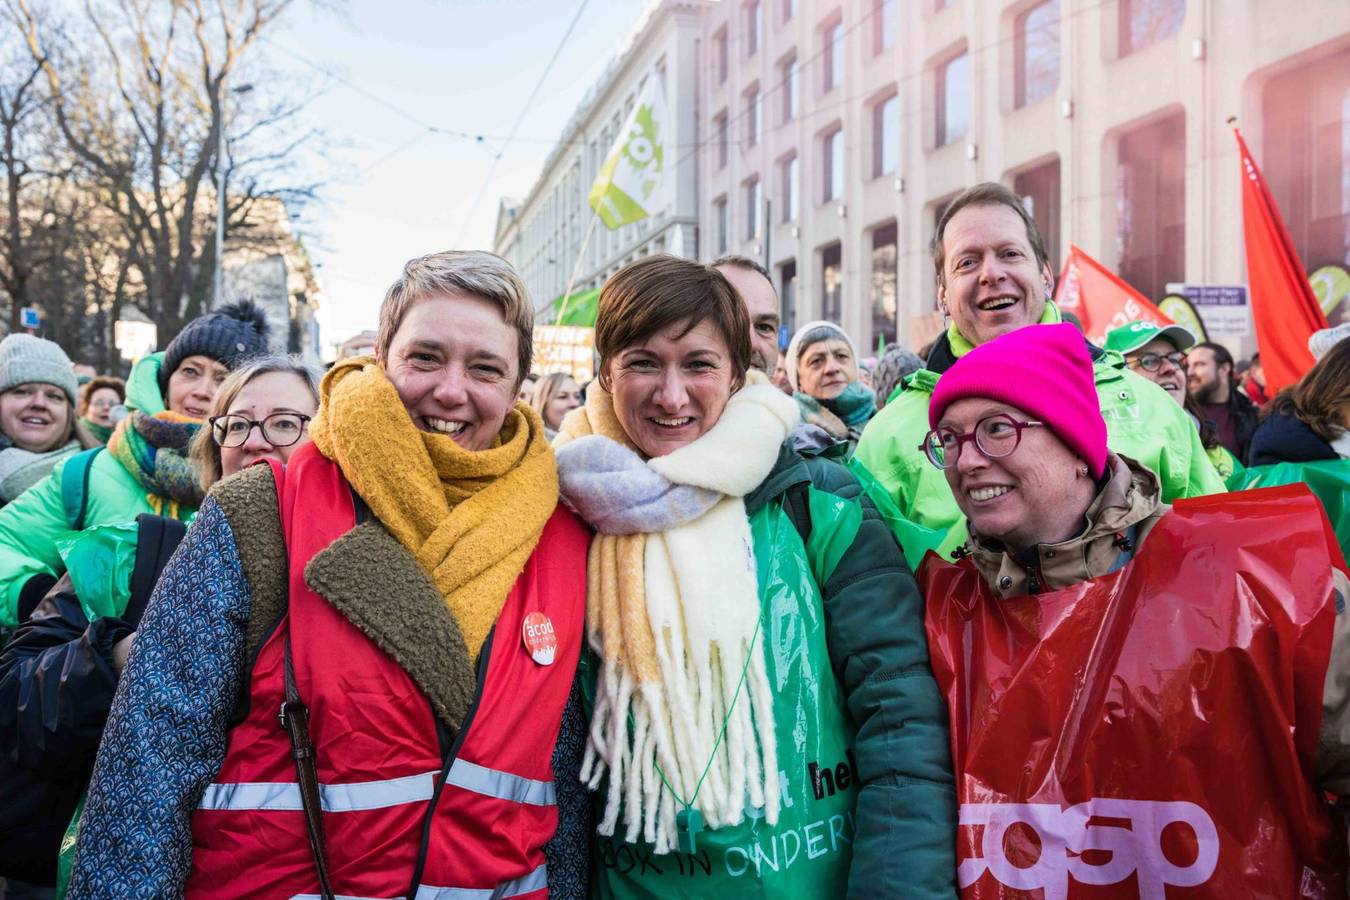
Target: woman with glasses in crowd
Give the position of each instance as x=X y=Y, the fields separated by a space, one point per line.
x=408 y=593
x=1107 y=657
x=58 y=674
x=99 y=396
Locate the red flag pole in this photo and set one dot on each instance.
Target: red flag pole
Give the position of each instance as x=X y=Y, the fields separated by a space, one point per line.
x=1284 y=308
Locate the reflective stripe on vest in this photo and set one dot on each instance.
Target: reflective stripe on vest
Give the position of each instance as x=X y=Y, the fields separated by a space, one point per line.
x=263 y=795
x=532 y=881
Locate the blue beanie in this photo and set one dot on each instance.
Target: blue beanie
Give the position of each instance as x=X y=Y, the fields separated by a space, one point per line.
x=229 y=335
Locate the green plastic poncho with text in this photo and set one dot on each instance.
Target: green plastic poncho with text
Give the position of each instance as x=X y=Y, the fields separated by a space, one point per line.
x=808 y=852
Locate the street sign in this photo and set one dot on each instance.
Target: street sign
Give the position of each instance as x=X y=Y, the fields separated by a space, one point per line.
x=30 y=318
x=1223 y=308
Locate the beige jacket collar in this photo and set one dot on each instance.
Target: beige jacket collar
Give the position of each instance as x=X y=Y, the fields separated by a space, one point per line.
x=1131 y=499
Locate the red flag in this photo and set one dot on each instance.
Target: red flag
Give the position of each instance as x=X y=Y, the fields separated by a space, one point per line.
x=1283 y=305
x=1099 y=298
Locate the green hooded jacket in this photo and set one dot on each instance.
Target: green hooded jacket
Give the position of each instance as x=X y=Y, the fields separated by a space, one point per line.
x=31 y=526
x=1142 y=422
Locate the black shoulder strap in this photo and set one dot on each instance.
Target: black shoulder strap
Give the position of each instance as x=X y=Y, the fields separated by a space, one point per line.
x=157 y=538
x=295 y=719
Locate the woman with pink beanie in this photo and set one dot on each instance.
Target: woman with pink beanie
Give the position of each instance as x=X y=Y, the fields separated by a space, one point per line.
x=1152 y=690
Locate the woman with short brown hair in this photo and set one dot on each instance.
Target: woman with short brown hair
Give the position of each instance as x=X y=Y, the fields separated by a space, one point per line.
x=749 y=610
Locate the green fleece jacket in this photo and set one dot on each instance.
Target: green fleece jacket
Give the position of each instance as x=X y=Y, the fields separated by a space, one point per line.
x=31 y=525
x=1142 y=422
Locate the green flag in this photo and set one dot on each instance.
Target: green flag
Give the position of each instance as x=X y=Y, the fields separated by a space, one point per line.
x=631 y=184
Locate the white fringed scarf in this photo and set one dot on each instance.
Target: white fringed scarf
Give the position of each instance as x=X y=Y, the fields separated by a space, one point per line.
x=673 y=611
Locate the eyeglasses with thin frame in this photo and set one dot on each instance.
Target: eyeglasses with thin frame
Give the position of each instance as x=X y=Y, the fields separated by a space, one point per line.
x=280 y=429
x=1152 y=362
x=995 y=436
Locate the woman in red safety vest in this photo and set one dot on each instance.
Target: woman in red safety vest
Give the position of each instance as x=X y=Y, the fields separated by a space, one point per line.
x=1142 y=697
x=355 y=677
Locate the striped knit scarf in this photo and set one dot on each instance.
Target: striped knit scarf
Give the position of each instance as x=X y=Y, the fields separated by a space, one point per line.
x=672 y=610
x=154 y=449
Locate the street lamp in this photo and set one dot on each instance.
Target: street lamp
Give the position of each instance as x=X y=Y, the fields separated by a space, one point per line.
x=219 y=289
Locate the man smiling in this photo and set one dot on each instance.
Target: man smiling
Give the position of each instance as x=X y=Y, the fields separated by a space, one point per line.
x=994 y=277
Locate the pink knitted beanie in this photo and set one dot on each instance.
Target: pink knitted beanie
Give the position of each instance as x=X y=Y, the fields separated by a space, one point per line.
x=1043 y=370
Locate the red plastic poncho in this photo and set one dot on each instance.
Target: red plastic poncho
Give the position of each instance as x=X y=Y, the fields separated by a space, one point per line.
x=1155 y=728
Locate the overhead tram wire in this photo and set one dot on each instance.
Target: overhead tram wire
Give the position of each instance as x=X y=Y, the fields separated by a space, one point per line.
x=543 y=76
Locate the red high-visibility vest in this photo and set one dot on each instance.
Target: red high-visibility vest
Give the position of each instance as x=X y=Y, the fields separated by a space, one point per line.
x=409 y=810
x=1153 y=732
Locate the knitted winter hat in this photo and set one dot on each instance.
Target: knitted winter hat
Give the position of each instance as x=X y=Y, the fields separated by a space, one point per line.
x=230 y=334
x=1043 y=370
x=1321 y=342
x=894 y=365
x=25 y=358
x=795 y=345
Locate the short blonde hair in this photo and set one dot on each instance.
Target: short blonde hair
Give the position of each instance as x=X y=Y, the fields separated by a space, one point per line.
x=473 y=272
x=204 y=451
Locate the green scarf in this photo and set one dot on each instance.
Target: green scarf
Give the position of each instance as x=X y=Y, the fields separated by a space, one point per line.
x=154 y=449
x=101 y=433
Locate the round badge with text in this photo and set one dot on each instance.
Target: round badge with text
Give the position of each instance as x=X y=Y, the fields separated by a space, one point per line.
x=539 y=638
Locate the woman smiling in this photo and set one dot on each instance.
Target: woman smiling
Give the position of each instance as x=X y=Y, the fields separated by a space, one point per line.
x=411 y=592
x=753 y=620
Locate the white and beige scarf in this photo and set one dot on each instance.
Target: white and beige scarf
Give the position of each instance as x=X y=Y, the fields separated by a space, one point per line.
x=673 y=611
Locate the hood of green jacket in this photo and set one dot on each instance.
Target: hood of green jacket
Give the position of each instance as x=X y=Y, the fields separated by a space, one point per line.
x=143 y=385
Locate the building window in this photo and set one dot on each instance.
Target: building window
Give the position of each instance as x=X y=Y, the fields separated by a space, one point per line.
x=721 y=139
x=788 y=170
x=789 y=10
x=754 y=209
x=885 y=136
x=789 y=77
x=1151 y=206
x=832 y=57
x=940 y=5
x=953 y=99
x=1145 y=22
x=883 y=26
x=754 y=117
x=720 y=62
x=1039 y=190
x=720 y=217
x=1036 y=39
x=884 y=255
x=754 y=28
x=1306 y=158
x=787 y=293
x=831 y=282
x=833 y=169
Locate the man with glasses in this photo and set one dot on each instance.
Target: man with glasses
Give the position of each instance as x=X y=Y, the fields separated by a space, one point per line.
x=994 y=277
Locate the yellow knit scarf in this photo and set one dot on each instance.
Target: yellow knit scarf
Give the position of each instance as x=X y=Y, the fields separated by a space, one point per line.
x=471 y=519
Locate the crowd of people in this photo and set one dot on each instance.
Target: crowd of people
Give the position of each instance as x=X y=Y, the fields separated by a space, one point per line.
x=729 y=619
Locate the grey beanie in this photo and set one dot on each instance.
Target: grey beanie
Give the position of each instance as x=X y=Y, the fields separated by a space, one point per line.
x=25 y=358
x=1322 y=341
x=895 y=364
x=229 y=335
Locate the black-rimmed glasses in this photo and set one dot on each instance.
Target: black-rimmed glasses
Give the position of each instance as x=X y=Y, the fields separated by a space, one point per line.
x=278 y=429
x=1152 y=362
x=995 y=436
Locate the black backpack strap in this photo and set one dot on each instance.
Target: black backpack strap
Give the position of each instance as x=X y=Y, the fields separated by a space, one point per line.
x=156 y=540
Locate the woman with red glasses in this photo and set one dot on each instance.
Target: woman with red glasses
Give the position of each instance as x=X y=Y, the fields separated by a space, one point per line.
x=1140 y=695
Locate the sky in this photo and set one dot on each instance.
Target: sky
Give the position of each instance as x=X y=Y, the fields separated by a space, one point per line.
x=385 y=71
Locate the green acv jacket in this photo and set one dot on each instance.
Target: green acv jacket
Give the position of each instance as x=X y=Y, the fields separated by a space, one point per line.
x=1142 y=422
x=868 y=808
x=31 y=525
